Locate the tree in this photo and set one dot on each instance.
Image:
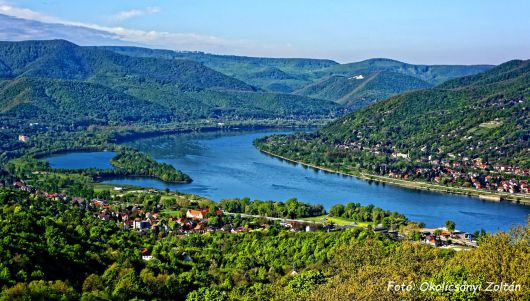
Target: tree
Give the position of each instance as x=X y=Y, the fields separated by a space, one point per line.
x=206 y=294
x=336 y=210
x=450 y=225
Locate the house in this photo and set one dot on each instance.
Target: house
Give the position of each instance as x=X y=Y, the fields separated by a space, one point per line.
x=383 y=230
x=431 y=240
x=141 y=225
x=186 y=257
x=146 y=255
x=23 y=138
x=199 y=227
x=358 y=77
x=197 y=214
x=200 y=214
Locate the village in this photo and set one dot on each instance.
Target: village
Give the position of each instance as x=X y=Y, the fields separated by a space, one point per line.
x=136 y=217
x=464 y=172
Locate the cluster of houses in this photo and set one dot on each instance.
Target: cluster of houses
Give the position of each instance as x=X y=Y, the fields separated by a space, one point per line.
x=479 y=174
x=134 y=217
x=441 y=237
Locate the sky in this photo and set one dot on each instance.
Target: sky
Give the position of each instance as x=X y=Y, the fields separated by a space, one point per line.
x=414 y=31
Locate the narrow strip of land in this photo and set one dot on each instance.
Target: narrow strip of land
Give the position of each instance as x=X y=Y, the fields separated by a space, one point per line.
x=516 y=197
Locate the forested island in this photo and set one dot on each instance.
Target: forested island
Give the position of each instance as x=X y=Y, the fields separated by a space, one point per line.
x=133 y=162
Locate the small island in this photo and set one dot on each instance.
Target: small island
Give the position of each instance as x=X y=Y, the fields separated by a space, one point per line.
x=130 y=162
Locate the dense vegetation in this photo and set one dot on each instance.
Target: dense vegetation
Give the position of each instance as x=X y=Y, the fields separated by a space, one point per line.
x=370 y=213
x=357 y=93
x=292 y=208
x=322 y=79
x=133 y=162
x=484 y=116
x=54 y=82
x=274 y=74
x=433 y=74
x=57 y=250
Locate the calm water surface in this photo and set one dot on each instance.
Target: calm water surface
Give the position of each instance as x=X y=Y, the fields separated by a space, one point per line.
x=81 y=160
x=227 y=165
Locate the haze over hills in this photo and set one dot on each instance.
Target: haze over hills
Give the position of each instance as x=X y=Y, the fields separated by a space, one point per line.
x=58 y=79
x=324 y=79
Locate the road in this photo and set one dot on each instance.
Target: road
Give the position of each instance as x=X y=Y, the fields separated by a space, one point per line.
x=285 y=220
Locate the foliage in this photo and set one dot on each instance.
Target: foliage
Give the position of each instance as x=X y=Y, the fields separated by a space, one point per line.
x=360 y=93
x=292 y=208
x=58 y=250
x=370 y=213
x=130 y=161
x=54 y=82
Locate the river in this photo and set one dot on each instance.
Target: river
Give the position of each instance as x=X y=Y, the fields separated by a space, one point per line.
x=227 y=165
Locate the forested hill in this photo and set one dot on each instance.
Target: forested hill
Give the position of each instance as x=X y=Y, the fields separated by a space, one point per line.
x=468 y=132
x=57 y=82
x=433 y=74
x=360 y=91
x=59 y=59
x=272 y=74
x=485 y=115
x=355 y=85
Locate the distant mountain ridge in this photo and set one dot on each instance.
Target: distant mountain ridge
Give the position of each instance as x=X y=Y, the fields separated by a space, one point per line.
x=296 y=72
x=58 y=80
x=433 y=74
x=175 y=86
x=59 y=59
x=484 y=116
x=361 y=90
x=323 y=79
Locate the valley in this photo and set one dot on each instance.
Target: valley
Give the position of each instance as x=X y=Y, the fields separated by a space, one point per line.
x=138 y=173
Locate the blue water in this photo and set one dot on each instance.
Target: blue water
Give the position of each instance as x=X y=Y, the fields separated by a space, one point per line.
x=227 y=165
x=81 y=160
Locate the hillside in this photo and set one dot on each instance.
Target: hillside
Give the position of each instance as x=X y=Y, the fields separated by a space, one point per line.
x=58 y=59
x=78 y=102
x=456 y=133
x=433 y=74
x=273 y=74
x=362 y=90
x=322 y=79
x=58 y=80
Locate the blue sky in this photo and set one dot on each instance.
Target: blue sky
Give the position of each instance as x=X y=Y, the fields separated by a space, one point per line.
x=432 y=32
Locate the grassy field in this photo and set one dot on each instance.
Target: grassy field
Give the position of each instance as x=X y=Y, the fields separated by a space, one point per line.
x=336 y=220
x=167 y=212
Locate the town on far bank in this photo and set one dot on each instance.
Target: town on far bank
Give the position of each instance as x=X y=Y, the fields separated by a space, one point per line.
x=163 y=212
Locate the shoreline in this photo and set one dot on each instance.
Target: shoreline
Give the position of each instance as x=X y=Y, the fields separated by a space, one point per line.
x=482 y=195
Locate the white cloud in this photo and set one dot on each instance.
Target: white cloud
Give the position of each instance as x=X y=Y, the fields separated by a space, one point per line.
x=127 y=14
x=25 y=13
x=121 y=35
x=180 y=41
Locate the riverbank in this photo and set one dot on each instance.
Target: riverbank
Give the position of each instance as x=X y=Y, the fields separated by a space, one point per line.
x=484 y=195
x=124 y=135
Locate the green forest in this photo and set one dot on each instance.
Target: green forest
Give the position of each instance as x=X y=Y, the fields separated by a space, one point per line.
x=57 y=250
x=66 y=236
